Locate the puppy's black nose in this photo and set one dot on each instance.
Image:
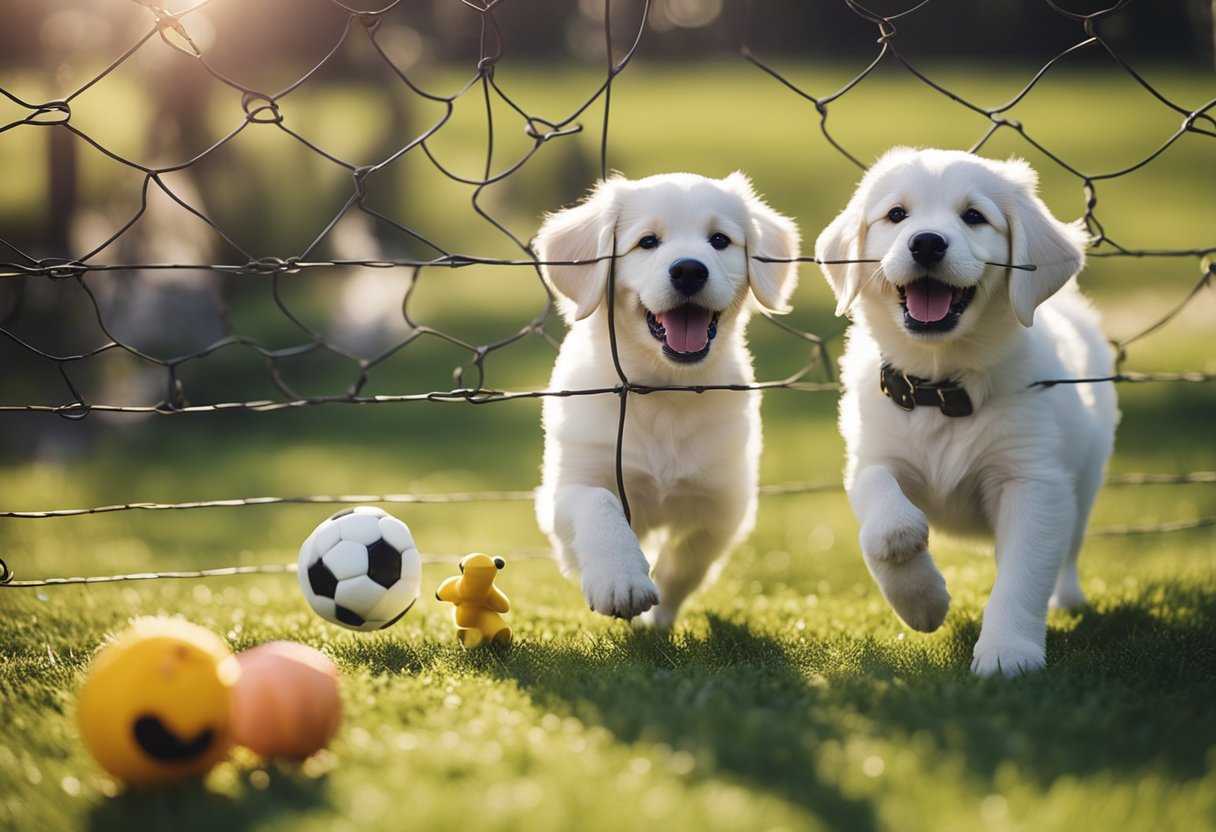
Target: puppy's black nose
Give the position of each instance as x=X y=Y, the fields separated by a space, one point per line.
x=928 y=248
x=688 y=276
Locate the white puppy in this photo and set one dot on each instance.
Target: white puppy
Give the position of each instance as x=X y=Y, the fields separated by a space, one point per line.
x=940 y=417
x=686 y=273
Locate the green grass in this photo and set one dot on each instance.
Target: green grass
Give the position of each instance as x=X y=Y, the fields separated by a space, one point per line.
x=789 y=697
x=786 y=700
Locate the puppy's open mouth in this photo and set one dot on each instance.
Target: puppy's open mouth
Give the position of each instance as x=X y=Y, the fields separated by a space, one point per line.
x=686 y=331
x=932 y=306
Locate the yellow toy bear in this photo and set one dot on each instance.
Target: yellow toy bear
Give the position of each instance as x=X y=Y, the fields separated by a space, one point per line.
x=478 y=602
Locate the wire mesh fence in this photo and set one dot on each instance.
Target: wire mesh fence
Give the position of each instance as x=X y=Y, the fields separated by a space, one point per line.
x=127 y=294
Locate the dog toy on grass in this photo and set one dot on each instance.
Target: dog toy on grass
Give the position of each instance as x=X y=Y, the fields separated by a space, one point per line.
x=479 y=603
x=360 y=569
x=156 y=705
x=287 y=700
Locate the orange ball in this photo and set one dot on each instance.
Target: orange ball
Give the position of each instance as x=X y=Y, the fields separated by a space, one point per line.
x=286 y=702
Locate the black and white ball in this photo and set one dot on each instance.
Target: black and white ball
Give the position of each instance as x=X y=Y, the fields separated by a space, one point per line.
x=360 y=569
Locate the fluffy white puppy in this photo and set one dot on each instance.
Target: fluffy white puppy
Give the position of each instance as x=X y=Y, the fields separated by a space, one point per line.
x=940 y=415
x=685 y=282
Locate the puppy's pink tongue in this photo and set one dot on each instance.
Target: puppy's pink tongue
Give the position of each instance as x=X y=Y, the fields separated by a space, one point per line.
x=928 y=300
x=687 y=328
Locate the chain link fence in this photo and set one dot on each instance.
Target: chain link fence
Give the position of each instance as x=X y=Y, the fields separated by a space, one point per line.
x=121 y=298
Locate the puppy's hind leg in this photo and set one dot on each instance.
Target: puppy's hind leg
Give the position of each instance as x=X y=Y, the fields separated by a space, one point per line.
x=895 y=543
x=681 y=567
x=593 y=531
x=1033 y=531
x=1067 y=594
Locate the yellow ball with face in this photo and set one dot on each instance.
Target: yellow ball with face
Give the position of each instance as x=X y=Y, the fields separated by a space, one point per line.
x=156 y=706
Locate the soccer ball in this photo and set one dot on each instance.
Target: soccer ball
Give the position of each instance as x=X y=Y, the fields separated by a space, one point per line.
x=360 y=569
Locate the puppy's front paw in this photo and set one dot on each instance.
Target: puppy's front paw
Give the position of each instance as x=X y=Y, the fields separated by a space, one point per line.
x=896 y=536
x=1009 y=656
x=915 y=589
x=620 y=593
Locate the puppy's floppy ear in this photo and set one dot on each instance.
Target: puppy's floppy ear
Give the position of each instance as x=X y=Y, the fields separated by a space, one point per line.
x=845 y=237
x=844 y=240
x=582 y=232
x=771 y=236
x=1054 y=248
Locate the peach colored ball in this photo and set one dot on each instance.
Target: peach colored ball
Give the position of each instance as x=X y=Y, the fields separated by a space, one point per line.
x=286 y=703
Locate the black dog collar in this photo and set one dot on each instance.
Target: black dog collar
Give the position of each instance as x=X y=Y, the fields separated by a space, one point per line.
x=909 y=391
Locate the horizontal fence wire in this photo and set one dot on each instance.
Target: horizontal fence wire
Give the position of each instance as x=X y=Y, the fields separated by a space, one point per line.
x=106 y=278
x=8 y=577
x=452 y=498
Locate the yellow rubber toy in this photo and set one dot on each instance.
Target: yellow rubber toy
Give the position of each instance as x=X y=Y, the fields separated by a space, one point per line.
x=156 y=706
x=479 y=604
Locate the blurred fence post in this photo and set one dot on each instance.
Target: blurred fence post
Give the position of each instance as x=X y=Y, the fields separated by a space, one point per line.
x=61 y=205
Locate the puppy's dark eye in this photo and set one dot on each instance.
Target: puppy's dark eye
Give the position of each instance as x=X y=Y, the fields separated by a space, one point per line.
x=719 y=240
x=649 y=241
x=897 y=214
x=974 y=217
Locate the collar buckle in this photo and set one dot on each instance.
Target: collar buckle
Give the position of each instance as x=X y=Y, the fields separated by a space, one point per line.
x=896 y=386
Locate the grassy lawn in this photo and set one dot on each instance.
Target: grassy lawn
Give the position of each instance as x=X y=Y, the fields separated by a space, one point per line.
x=789 y=697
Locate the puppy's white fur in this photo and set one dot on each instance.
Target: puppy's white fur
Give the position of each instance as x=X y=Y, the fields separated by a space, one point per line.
x=1025 y=468
x=689 y=460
